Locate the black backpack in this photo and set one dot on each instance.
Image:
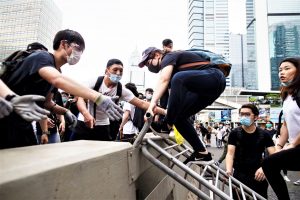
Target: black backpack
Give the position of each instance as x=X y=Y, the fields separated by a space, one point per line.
x=138 y=118
x=10 y=64
x=113 y=125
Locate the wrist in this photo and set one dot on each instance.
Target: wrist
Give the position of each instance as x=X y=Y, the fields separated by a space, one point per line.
x=99 y=99
x=279 y=145
x=46 y=132
x=9 y=97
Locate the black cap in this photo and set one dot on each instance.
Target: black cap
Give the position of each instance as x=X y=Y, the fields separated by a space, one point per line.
x=146 y=54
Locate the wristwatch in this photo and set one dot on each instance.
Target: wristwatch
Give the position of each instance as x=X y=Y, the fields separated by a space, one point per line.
x=46 y=132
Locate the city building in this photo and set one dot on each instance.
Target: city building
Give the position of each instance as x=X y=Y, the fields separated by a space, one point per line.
x=26 y=21
x=208 y=26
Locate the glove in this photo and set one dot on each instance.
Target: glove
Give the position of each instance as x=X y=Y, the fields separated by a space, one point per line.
x=26 y=107
x=5 y=107
x=71 y=119
x=107 y=105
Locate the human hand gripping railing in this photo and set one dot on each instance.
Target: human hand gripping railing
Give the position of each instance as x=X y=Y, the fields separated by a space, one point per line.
x=142 y=133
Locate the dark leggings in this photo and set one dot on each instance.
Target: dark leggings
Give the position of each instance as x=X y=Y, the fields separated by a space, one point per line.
x=272 y=165
x=192 y=91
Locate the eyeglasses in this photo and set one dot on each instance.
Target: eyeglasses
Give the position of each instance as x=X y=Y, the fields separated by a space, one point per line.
x=76 y=47
x=246 y=114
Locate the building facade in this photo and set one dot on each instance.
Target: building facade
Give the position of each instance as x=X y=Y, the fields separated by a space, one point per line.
x=26 y=21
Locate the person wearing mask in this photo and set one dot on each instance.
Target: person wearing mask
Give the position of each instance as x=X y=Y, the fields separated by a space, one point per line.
x=286 y=157
x=44 y=69
x=188 y=94
x=93 y=123
x=149 y=94
x=246 y=145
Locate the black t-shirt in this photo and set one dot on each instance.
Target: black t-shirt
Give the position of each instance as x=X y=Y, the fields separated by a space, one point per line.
x=26 y=79
x=178 y=58
x=249 y=148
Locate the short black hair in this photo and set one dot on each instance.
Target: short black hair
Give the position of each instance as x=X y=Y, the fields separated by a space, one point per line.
x=167 y=42
x=132 y=88
x=149 y=90
x=70 y=36
x=253 y=108
x=113 y=61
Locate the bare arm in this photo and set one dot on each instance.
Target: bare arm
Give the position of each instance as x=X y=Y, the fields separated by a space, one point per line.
x=229 y=159
x=44 y=127
x=68 y=85
x=144 y=105
x=125 y=119
x=283 y=137
x=161 y=86
x=4 y=90
x=89 y=120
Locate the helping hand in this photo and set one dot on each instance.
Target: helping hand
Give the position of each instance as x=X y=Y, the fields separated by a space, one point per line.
x=6 y=107
x=107 y=105
x=26 y=107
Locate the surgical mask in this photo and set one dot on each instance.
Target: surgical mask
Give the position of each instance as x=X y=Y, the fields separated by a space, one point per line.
x=286 y=84
x=74 y=57
x=114 y=78
x=245 y=121
x=268 y=125
x=220 y=126
x=148 y=96
x=64 y=100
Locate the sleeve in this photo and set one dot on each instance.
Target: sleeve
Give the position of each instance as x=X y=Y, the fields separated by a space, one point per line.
x=232 y=138
x=269 y=142
x=40 y=60
x=127 y=106
x=127 y=95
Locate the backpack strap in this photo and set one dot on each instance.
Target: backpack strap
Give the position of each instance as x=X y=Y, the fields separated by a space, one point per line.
x=97 y=87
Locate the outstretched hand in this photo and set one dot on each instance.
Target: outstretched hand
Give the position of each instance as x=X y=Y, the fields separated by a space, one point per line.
x=113 y=111
x=26 y=107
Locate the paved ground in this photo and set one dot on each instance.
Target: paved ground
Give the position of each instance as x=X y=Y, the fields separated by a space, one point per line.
x=293 y=176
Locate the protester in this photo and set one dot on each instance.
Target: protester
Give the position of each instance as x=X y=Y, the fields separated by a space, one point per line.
x=286 y=157
x=38 y=74
x=246 y=145
x=188 y=94
x=167 y=45
x=94 y=124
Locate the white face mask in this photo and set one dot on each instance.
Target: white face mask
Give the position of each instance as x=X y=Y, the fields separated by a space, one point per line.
x=148 y=96
x=74 y=57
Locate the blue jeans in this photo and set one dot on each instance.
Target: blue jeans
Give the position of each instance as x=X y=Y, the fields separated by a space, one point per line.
x=192 y=91
x=52 y=138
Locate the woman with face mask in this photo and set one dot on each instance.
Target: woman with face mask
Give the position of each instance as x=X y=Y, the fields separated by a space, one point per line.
x=286 y=156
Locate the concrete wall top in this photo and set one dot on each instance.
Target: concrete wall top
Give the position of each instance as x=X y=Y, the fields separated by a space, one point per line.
x=21 y=162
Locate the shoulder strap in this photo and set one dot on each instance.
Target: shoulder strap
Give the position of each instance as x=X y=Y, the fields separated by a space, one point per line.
x=119 y=90
x=97 y=87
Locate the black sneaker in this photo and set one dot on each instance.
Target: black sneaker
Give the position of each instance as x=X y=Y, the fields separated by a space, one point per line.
x=200 y=159
x=161 y=129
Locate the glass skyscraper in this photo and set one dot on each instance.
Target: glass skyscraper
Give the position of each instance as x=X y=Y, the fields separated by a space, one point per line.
x=26 y=21
x=284 y=34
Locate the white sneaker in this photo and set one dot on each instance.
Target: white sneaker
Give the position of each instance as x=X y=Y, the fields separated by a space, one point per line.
x=286 y=178
x=297 y=182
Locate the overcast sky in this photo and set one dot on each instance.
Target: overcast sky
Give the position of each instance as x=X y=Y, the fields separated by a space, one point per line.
x=115 y=28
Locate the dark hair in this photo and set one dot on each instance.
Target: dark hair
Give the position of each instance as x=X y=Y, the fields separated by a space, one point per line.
x=113 y=61
x=295 y=85
x=167 y=42
x=70 y=36
x=149 y=90
x=253 y=108
x=132 y=88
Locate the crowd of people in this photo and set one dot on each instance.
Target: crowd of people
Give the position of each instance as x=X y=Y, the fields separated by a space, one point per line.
x=61 y=109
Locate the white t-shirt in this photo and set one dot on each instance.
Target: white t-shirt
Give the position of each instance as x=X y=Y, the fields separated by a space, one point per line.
x=129 y=128
x=101 y=117
x=291 y=113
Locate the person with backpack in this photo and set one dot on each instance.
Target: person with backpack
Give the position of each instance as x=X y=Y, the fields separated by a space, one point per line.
x=38 y=72
x=286 y=156
x=128 y=130
x=93 y=123
x=194 y=84
x=246 y=145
